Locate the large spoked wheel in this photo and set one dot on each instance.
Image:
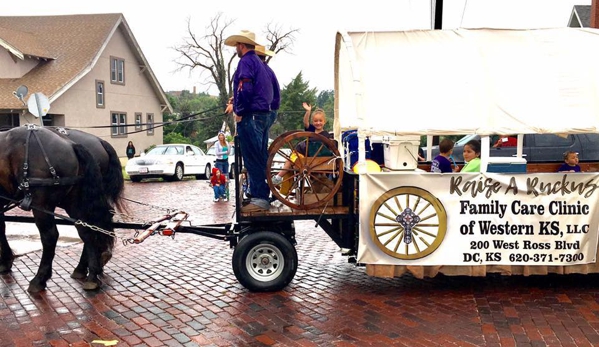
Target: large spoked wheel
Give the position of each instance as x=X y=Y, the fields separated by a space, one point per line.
x=264 y=261
x=310 y=166
x=408 y=223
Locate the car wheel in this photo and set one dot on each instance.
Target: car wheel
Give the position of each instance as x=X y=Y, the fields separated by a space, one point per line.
x=135 y=178
x=264 y=261
x=178 y=173
x=207 y=171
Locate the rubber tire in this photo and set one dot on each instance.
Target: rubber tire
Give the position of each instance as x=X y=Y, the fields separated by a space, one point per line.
x=278 y=241
x=207 y=172
x=178 y=173
x=135 y=179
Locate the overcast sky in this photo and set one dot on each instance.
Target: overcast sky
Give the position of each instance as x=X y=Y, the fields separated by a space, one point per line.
x=160 y=26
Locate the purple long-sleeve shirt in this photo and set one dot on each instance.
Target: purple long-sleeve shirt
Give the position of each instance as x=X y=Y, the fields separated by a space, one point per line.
x=253 y=91
x=276 y=90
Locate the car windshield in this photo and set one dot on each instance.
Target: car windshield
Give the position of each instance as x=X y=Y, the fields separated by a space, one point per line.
x=166 y=150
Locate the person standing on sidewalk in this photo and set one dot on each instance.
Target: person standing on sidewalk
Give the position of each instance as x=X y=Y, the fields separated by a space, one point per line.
x=252 y=99
x=130 y=150
x=221 y=150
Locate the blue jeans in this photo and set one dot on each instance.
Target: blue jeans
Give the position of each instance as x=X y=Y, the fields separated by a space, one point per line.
x=223 y=166
x=271 y=120
x=251 y=131
x=219 y=191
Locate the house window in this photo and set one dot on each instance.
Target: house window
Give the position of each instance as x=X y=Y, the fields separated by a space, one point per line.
x=99 y=94
x=9 y=120
x=118 y=124
x=138 y=121
x=150 y=123
x=117 y=70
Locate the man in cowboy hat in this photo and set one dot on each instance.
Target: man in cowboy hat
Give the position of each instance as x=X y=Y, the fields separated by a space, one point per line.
x=262 y=53
x=252 y=97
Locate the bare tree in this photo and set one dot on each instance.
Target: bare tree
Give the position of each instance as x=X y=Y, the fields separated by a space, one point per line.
x=279 y=40
x=206 y=52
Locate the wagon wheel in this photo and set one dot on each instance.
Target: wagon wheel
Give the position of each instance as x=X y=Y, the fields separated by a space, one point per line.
x=313 y=173
x=408 y=223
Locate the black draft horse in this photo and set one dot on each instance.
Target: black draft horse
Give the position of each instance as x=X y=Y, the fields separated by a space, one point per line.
x=60 y=173
x=112 y=180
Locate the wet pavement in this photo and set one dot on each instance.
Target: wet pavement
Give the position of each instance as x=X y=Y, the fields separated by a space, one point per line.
x=182 y=292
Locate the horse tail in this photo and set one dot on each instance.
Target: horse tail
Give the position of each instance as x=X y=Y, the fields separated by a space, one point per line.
x=95 y=207
x=114 y=184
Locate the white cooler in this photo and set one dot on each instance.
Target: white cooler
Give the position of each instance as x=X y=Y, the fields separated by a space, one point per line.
x=401 y=152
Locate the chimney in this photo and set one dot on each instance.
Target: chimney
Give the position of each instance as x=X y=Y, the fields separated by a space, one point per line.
x=194 y=90
x=594 y=14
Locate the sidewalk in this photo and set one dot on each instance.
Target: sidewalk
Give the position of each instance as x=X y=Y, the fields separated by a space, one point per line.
x=25 y=238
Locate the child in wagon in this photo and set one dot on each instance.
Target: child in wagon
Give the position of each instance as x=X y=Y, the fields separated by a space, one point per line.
x=218 y=182
x=317 y=126
x=570 y=162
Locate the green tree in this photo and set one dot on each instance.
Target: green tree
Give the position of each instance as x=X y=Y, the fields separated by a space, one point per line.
x=175 y=138
x=196 y=118
x=291 y=112
x=326 y=101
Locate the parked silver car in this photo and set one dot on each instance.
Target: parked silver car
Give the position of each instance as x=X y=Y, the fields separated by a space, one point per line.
x=171 y=162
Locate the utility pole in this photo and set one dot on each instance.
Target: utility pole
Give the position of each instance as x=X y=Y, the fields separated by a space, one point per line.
x=438 y=25
x=594 y=15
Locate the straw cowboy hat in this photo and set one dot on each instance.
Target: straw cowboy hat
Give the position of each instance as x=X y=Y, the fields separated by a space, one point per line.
x=261 y=50
x=245 y=36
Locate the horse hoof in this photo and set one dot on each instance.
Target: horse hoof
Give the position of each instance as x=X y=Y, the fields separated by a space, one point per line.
x=78 y=275
x=106 y=256
x=91 y=286
x=35 y=288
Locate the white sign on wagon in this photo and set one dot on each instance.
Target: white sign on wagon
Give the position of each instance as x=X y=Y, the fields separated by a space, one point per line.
x=478 y=219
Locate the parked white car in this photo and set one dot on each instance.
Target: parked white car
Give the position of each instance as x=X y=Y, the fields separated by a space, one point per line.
x=171 y=162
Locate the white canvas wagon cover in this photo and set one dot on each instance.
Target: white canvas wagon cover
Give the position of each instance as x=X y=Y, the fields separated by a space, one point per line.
x=465 y=81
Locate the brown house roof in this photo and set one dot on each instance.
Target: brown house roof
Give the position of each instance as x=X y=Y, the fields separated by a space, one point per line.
x=22 y=43
x=71 y=44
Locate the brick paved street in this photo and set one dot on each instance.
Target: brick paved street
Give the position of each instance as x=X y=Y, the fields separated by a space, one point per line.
x=182 y=292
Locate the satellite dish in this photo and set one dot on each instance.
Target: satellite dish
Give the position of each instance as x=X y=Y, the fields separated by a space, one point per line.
x=21 y=92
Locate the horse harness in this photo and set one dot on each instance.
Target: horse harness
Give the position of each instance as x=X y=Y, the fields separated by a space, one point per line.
x=28 y=182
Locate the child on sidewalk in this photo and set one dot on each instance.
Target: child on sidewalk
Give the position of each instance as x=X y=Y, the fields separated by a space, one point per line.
x=217 y=182
x=570 y=162
x=441 y=162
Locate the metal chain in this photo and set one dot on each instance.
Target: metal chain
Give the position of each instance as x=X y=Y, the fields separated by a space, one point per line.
x=127 y=218
x=154 y=207
x=95 y=228
x=125 y=241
